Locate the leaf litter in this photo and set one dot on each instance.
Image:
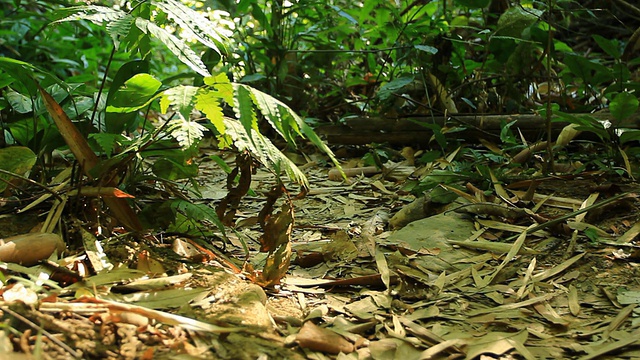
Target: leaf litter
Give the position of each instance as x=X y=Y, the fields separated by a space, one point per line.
x=480 y=277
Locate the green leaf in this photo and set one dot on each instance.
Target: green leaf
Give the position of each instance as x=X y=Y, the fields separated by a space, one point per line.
x=20 y=103
x=134 y=94
x=209 y=103
x=386 y=90
x=426 y=48
x=344 y=14
x=268 y=107
x=6 y=80
x=629 y=135
x=252 y=78
x=513 y=21
x=197 y=212
x=221 y=83
x=585 y=123
x=474 y=4
x=186 y=132
x=591 y=72
x=107 y=141
x=179 y=98
x=176 y=45
x=194 y=23
x=16 y=159
x=117 y=122
x=623 y=106
x=263 y=150
x=243 y=107
x=611 y=47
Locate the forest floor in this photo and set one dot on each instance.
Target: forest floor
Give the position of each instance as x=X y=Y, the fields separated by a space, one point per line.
x=460 y=281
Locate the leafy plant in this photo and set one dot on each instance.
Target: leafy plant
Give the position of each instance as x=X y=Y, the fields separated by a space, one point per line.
x=132 y=33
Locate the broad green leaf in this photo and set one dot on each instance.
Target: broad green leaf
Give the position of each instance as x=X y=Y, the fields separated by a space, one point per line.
x=387 y=89
x=252 y=78
x=623 y=106
x=117 y=122
x=513 y=21
x=20 y=103
x=591 y=72
x=474 y=4
x=15 y=159
x=6 y=80
x=611 y=47
x=629 y=135
x=135 y=93
x=584 y=123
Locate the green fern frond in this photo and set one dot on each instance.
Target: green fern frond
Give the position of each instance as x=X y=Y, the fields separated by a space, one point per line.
x=108 y=142
x=176 y=45
x=288 y=122
x=243 y=107
x=186 y=132
x=179 y=98
x=197 y=212
x=270 y=111
x=94 y=13
x=223 y=86
x=264 y=150
x=118 y=22
x=208 y=102
x=194 y=23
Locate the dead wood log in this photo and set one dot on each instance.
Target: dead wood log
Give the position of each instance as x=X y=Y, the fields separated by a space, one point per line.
x=410 y=130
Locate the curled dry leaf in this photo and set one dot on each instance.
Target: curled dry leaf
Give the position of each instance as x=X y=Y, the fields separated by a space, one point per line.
x=324 y=340
x=28 y=249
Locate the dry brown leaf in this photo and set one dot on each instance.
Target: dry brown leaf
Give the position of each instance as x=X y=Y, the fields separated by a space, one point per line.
x=276 y=239
x=315 y=338
x=28 y=249
x=87 y=159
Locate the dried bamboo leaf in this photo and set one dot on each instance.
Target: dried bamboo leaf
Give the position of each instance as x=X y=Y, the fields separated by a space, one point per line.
x=574 y=304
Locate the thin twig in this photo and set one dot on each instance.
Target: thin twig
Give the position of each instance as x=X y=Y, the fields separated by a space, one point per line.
x=29 y=181
x=570 y=215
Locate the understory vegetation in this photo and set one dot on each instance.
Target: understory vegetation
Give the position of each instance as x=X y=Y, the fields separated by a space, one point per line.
x=110 y=112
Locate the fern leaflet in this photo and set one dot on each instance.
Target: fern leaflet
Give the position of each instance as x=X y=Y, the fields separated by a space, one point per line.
x=264 y=150
x=118 y=22
x=186 y=132
x=222 y=84
x=243 y=107
x=179 y=98
x=209 y=103
x=176 y=45
x=194 y=23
